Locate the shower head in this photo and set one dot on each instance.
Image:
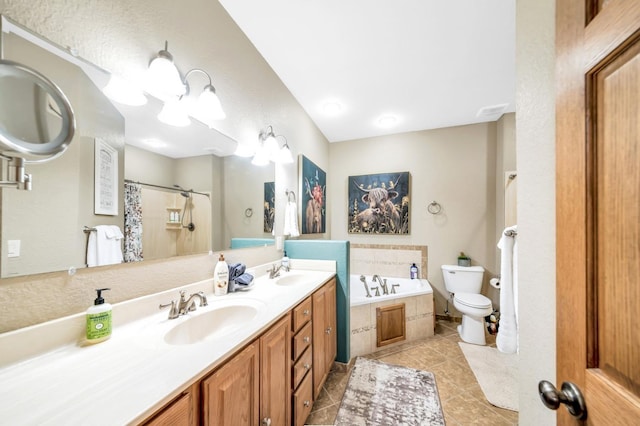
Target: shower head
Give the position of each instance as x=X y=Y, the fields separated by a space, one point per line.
x=184 y=192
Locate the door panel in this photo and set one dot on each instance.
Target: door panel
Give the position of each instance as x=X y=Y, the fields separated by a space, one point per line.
x=598 y=206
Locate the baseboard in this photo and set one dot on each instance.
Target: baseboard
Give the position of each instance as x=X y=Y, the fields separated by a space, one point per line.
x=448 y=318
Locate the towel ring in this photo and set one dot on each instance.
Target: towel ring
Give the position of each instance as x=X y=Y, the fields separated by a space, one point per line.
x=434 y=208
x=290 y=194
x=248 y=212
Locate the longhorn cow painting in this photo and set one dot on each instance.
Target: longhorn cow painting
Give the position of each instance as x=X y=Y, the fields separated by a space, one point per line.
x=379 y=204
x=314 y=190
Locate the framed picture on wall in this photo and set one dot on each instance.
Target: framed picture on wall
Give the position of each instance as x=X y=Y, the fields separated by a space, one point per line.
x=269 y=206
x=379 y=203
x=313 y=187
x=105 y=179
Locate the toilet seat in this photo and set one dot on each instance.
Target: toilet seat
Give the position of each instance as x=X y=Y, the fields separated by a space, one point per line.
x=473 y=300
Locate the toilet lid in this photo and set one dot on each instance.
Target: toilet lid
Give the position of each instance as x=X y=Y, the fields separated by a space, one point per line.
x=473 y=300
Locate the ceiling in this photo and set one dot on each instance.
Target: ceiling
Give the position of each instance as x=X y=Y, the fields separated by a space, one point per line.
x=429 y=63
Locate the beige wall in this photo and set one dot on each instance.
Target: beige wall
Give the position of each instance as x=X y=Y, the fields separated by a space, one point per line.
x=535 y=132
x=455 y=167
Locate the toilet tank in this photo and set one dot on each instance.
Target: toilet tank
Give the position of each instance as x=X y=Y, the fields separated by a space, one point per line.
x=462 y=279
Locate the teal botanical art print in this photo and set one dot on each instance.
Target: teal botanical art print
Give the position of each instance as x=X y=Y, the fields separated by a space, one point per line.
x=269 y=206
x=314 y=190
x=379 y=203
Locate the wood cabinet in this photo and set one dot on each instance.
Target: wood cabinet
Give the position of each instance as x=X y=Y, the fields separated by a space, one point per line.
x=231 y=395
x=275 y=374
x=182 y=411
x=324 y=333
x=271 y=381
x=390 y=324
x=302 y=361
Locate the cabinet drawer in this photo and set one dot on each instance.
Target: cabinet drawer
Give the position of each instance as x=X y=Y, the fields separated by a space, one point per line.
x=301 y=314
x=301 y=367
x=302 y=341
x=303 y=401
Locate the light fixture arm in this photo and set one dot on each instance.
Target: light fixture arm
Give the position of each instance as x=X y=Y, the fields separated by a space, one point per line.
x=186 y=83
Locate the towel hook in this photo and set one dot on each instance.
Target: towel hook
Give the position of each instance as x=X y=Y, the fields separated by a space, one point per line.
x=434 y=208
x=290 y=194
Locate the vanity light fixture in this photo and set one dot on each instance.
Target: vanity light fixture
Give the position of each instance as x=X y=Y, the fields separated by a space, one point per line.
x=270 y=150
x=166 y=79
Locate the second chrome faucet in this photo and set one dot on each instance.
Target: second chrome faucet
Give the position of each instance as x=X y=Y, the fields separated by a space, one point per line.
x=184 y=305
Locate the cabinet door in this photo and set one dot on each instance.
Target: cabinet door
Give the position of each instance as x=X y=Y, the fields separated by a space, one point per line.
x=275 y=374
x=324 y=334
x=231 y=395
x=178 y=413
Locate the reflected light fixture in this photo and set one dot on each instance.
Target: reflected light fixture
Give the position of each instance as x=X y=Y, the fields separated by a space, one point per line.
x=166 y=80
x=269 y=149
x=124 y=92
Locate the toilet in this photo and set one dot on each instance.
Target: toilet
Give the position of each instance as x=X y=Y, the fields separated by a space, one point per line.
x=464 y=283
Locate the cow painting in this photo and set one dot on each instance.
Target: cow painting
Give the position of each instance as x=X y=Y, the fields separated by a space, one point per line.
x=314 y=186
x=379 y=204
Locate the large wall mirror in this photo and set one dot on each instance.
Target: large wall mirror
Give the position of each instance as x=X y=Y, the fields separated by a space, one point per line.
x=195 y=194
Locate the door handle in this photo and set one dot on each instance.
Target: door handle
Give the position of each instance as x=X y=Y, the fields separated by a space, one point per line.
x=569 y=395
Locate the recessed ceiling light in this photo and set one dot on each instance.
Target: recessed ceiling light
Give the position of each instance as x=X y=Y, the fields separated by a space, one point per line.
x=332 y=107
x=387 y=121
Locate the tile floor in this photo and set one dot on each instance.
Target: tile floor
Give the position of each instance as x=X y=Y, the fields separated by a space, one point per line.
x=462 y=399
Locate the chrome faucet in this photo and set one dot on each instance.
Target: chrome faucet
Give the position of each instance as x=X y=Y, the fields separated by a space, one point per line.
x=184 y=305
x=274 y=271
x=366 y=287
x=383 y=283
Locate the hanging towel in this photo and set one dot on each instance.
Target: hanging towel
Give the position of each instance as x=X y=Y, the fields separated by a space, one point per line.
x=507 y=339
x=291 y=219
x=104 y=246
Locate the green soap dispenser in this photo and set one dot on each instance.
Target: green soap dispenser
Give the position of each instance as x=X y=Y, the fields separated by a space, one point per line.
x=99 y=319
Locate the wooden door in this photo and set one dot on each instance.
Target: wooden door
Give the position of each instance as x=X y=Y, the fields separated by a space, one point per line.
x=275 y=374
x=230 y=396
x=598 y=206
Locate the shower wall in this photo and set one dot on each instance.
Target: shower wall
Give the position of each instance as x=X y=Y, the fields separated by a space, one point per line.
x=162 y=238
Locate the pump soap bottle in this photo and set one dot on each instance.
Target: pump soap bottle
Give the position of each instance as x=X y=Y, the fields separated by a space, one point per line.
x=221 y=277
x=413 y=271
x=99 y=319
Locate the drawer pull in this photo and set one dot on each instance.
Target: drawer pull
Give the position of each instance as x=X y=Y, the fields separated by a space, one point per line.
x=306 y=339
x=328 y=330
x=307 y=366
x=266 y=421
x=306 y=403
x=306 y=312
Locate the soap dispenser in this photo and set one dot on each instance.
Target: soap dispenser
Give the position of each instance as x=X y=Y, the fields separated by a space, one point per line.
x=99 y=319
x=285 y=262
x=221 y=277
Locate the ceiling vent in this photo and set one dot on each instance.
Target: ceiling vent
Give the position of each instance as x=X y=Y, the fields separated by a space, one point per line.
x=492 y=110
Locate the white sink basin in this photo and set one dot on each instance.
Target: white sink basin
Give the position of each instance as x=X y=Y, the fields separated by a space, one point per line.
x=221 y=319
x=292 y=278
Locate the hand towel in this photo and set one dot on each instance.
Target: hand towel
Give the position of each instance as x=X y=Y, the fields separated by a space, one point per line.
x=104 y=247
x=507 y=339
x=291 y=219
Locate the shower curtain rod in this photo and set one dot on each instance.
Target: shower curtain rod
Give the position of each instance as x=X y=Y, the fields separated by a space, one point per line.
x=191 y=191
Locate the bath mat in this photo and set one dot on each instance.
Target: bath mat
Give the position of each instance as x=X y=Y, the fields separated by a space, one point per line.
x=496 y=373
x=378 y=393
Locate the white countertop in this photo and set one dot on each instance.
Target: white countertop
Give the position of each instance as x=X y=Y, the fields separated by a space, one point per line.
x=128 y=377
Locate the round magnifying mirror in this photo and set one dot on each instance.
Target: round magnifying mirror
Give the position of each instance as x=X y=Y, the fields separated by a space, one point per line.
x=36 y=119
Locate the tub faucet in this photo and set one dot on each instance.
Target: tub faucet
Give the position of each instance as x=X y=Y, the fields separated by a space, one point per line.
x=366 y=287
x=382 y=282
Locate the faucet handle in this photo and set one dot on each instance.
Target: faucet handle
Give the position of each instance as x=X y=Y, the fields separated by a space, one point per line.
x=203 y=301
x=173 y=311
x=182 y=295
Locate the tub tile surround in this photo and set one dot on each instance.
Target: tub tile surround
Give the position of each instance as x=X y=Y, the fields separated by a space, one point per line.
x=389 y=261
x=136 y=355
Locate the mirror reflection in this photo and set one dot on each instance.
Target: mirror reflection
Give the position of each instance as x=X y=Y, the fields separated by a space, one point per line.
x=191 y=180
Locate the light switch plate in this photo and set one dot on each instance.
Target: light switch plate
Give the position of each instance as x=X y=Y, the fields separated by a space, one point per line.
x=13 y=248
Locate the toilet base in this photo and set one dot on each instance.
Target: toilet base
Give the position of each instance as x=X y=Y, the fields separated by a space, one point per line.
x=472 y=330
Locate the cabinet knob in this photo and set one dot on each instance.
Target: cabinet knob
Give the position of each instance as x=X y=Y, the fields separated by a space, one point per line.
x=328 y=330
x=306 y=339
x=306 y=312
x=306 y=403
x=307 y=366
x=266 y=421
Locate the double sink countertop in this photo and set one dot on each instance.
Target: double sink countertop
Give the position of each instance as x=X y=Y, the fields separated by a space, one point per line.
x=48 y=377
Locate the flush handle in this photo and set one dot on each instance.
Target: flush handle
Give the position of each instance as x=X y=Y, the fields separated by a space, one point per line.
x=569 y=395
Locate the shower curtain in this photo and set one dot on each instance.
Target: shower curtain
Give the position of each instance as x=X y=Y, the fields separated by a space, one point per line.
x=132 y=222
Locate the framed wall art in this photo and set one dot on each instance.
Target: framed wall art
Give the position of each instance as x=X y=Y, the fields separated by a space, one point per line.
x=105 y=179
x=379 y=203
x=313 y=187
x=269 y=206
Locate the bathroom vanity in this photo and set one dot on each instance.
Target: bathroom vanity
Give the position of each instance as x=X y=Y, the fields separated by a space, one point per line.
x=233 y=359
